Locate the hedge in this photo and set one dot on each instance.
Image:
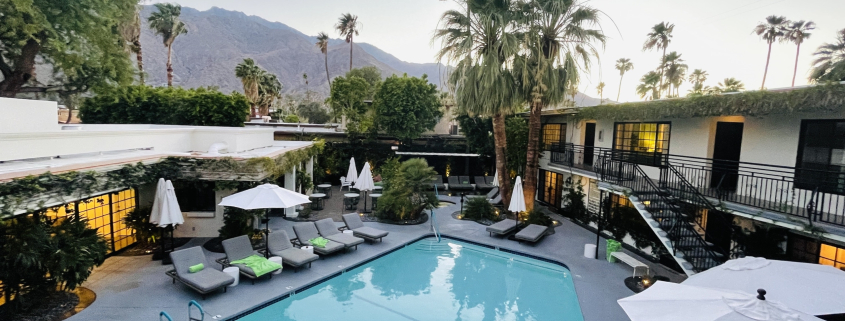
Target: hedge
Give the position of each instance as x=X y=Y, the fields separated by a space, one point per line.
x=165 y=106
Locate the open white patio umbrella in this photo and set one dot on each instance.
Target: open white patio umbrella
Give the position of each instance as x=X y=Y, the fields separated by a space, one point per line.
x=365 y=182
x=665 y=301
x=517 y=199
x=265 y=196
x=810 y=288
x=352 y=173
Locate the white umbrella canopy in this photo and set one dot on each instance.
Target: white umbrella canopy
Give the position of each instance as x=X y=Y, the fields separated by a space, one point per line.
x=265 y=196
x=517 y=197
x=496 y=179
x=809 y=288
x=365 y=180
x=352 y=173
x=171 y=214
x=158 y=201
x=666 y=301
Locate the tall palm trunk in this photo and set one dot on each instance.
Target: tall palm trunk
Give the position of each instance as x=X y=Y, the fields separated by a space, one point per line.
x=140 y=59
x=795 y=70
x=350 y=53
x=501 y=145
x=766 y=72
x=530 y=182
x=661 y=73
x=620 y=86
x=169 y=66
x=328 y=79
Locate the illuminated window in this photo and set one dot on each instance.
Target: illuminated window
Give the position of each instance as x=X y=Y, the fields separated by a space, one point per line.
x=832 y=255
x=553 y=135
x=643 y=143
x=551 y=188
x=821 y=156
x=105 y=213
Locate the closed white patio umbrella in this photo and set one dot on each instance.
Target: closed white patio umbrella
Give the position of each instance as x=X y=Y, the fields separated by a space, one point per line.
x=810 y=288
x=158 y=201
x=166 y=212
x=352 y=173
x=517 y=199
x=666 y=301
x=496 y=179
x=365 y=182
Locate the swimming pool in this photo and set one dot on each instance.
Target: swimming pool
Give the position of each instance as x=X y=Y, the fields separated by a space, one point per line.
x=427 y=280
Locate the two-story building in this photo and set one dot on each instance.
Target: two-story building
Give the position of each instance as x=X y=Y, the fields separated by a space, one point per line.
x=703 y=179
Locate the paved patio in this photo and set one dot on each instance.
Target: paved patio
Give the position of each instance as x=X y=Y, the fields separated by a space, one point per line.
x=136 y=288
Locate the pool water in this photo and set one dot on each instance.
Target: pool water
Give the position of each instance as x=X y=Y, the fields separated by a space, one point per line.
x=427 y=280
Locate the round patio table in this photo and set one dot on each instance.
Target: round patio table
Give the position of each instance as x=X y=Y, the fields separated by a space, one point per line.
x=375 y=200
x=351 y=200
x=317 y=201
x=325 y=189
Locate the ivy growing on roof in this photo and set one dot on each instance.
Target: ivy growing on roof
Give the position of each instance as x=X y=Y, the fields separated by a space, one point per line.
x=817 y=99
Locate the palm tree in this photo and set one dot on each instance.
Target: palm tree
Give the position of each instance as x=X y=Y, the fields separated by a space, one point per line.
x=600 y=89
x=560 y=38
x=796 y=33
x=623 y=65
x=659 y=38
x=649 y=86
x=166 y=24
x=829 y=64
x=675 y=71
x=251 y=76
x=323 y=44
x=130 y=30
x=697 y=78
x=347 y=26
x=730 y=85
x=772 y=30
x=269 y=90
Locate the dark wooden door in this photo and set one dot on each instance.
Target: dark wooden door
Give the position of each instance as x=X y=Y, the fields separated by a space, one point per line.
x=726 y=151
x=589 y=143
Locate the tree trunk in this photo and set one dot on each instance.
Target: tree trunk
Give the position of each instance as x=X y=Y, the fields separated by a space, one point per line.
x=766 y=72
x=531 y=165
x=169 y=66
x=620 y=86
x=350 y=53
x=501 y=145
x=663 y=59
x=795 y=71
x=24 y=70
x=140 y=58
x=69 y=114
x=329 y=79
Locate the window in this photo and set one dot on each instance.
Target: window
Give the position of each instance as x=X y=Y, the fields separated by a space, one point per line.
x=821 y=156
x=196 y=196
x=803 y=249
x=104 y=213
x=553 y=135
x=641 y=143
x=832 y=255
x=550 y=188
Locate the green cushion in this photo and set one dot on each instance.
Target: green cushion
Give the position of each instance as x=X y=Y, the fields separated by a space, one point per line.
x=196 y=268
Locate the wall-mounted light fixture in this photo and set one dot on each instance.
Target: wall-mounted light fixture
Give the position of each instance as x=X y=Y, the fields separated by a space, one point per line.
x=395 y=148
x=601 y=135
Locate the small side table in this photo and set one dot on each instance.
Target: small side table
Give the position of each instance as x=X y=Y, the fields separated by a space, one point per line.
x=347 y=232
x=317 y=201
x=308 y=248
x=377 y=189
x=234 y=272
x=325 y=189
x=375 y=197
x=276 y=259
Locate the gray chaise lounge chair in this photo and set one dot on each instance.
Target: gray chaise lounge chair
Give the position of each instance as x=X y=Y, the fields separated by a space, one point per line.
x=238 y=248
x=456 y=184
x=307 y=231
x=438 y=182
x=205 y=281
x=490 y=195
x=481 y=184
x=532 y=233
x=354 y=223
x=502 y=227
x=328 y=230
x=490 y=180
x=280 y=245
x=496 y=201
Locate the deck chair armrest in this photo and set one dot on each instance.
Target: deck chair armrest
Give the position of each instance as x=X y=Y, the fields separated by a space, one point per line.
x=223 y=261
x=342 y=228
x=296 y=242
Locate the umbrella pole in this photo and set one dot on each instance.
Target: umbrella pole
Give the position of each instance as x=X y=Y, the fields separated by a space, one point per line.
x=161 y=246
x=598 y=227
x=266 y=221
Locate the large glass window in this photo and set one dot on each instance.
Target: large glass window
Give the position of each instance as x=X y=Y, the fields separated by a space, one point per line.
x=550 y=188
x=196 y=196
x=105 y=213
x=553 y=135
x=821 y=156
x=832 y=255
x=642 y=143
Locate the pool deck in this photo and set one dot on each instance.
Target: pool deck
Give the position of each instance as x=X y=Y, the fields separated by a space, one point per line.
x=136 y=288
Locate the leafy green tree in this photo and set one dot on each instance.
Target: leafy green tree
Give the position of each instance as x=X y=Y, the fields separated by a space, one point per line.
x=772 y=30
x=829 y=64
x=371 y=74
x=130 y=30
x=314 y=112
x=347 y=26
x=79 y=39
x=323 y=45
x=623 y=65
x=347 y=100
x=166 y=23
x=796 y=33
x=407 y=194
x=291 y=118
x=649 y=87
x=406 y=107
x=659 y=38
x=516 y=129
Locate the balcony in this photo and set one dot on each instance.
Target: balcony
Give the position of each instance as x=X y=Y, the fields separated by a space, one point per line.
x=808 y=194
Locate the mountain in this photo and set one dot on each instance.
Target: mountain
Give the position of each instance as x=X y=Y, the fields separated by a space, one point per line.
x=219 y=39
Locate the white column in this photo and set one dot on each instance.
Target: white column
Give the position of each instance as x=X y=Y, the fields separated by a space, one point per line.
x=309 y=168
x=290 y=183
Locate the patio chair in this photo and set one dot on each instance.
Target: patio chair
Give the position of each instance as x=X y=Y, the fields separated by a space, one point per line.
x=456 y=185
x=307 y=231
x=280 y=245
x=490 y=195
x=328 y=230
x=238 y=248
x=438 y=182
x=502 y=227
x=465 y=181
x=489 y=180
x=354 y=223
x=481 y=184
x=532 y=233
x=205 y=281
x=496 y=200
x=344 y=183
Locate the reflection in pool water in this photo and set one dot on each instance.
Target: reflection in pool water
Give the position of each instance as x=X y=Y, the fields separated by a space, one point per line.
x=430 y=280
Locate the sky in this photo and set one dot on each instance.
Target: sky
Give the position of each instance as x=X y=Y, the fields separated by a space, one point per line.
x=714 y=35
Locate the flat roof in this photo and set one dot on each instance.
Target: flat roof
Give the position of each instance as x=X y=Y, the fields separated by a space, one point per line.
x=437 y=154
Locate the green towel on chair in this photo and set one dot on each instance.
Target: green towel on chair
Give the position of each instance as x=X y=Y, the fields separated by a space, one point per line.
x=319 y=241
x=258 y=264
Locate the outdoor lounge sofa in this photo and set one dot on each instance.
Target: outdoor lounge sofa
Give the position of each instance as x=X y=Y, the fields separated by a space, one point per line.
x=205 y=281
x=502 y=227
x=328 y=230
x=307 y=231
x=238 y=248
x=280 y=245
x=532 y=233
x=481 y=184
x=354 y=223
x=457 y=183
x=438 y=182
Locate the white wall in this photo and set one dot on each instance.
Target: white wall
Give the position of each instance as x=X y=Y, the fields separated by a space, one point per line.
x=26 y=116
x=196 y=226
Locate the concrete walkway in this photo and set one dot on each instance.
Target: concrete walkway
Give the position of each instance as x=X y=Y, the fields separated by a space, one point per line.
x=136 y=288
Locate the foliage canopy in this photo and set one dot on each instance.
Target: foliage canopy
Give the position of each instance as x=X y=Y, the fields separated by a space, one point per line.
x=406 y=107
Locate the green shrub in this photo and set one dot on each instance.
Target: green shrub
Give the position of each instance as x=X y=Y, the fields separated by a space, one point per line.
x=139 y=221
x=291 y=118
x=478 y=208
x=165 y=106
x=574 y=206
x=406 y=195
x=237 y=222
x=304 y=181
x=536 y=216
